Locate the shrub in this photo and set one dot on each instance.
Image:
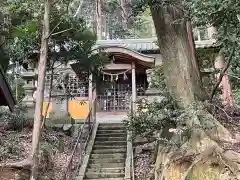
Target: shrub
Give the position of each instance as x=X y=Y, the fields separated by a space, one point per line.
x=237 y=96
x=16 y=120
x=154 y=116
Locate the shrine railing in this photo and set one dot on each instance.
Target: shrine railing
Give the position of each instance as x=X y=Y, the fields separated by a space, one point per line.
x=129 y=167
x=79 y=147
x=118 y=97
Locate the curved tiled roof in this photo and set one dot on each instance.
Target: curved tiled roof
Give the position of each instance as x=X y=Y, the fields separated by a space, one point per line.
x=134 y=44
x=129 y=54
x=146 y=44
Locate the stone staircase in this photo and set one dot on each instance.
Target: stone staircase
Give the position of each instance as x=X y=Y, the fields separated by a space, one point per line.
x=107 y=159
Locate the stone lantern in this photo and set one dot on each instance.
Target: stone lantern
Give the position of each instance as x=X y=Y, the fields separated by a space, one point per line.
x=29 y=78
x=152 y=93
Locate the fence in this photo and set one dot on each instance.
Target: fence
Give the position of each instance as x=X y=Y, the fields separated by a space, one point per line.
x=82 y=139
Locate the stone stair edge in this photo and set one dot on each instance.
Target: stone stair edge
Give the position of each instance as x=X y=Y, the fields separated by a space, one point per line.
x=108 y=155
x=106 y=179
x=104 y=175
x=106 y=165
x=111 y=134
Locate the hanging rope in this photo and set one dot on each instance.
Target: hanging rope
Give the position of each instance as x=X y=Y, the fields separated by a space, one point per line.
x=112 y=75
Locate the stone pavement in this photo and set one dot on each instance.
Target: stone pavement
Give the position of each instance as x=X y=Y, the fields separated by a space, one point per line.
x=111 y=117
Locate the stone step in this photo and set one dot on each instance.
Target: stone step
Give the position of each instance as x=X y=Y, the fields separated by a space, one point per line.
x=109 y=156
x=106 y=179
x=106 y=165
x=104 y=175
x=99 y=146
x=110 y=139
x=106 y=160
x=110 y=124
x=106 y=170
x=109 y=151
x=111 y=128
x=99 y=134
x=113 y=143
x=107 y=131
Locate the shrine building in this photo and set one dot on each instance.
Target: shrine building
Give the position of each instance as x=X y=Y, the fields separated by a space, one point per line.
x=124 y=80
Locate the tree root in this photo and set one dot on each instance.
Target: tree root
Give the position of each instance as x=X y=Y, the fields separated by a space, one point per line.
x=207 y=134
x=25 y=164
x=199 y=158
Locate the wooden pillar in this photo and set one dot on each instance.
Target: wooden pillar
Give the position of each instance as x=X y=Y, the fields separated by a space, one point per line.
x=92 y=95
x=134 y=90
x=90 y=91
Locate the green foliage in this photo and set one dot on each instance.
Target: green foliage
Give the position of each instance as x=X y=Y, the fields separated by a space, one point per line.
x=16 y=120
x=224 y=16
x=4 y=61
x=122 y=21
x=236 y=93
x=70 y=38
x=16 y=85
x=157 y=79
x=153 y=116
x=21 y=31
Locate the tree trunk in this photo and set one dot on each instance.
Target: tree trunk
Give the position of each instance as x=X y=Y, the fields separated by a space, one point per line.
x=225 y=86
x=192 y=47
x=124 y=14
x=178 y=62
x=183 y=81
x=40 y=92
x=99 y=19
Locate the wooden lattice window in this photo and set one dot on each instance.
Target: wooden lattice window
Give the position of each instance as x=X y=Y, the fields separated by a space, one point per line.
x=76 y=86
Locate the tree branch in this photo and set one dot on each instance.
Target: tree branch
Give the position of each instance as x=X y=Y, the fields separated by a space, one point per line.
x=78 y=9
x=238 y=17
x=55 y=28
x=51 y=33
x=221 y=75
x=61 y=31
x=24 y=164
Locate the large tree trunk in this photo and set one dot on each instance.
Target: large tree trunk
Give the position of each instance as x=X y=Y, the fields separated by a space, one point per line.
x=182 y=76
x=40 y=92
x=179 y=62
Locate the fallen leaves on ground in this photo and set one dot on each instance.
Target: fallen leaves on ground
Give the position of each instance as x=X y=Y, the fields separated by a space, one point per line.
x=16 y=146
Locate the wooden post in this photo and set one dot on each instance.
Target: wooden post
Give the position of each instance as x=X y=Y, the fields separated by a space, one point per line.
x=90 y=91
x=114 y=96
x=134 y=91
x=92 y=95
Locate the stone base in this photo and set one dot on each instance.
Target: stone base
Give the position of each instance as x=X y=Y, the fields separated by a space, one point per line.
x=60 y=119
x=75 y=129
x=152 y=92
x=152 y=95
x=29 y=113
